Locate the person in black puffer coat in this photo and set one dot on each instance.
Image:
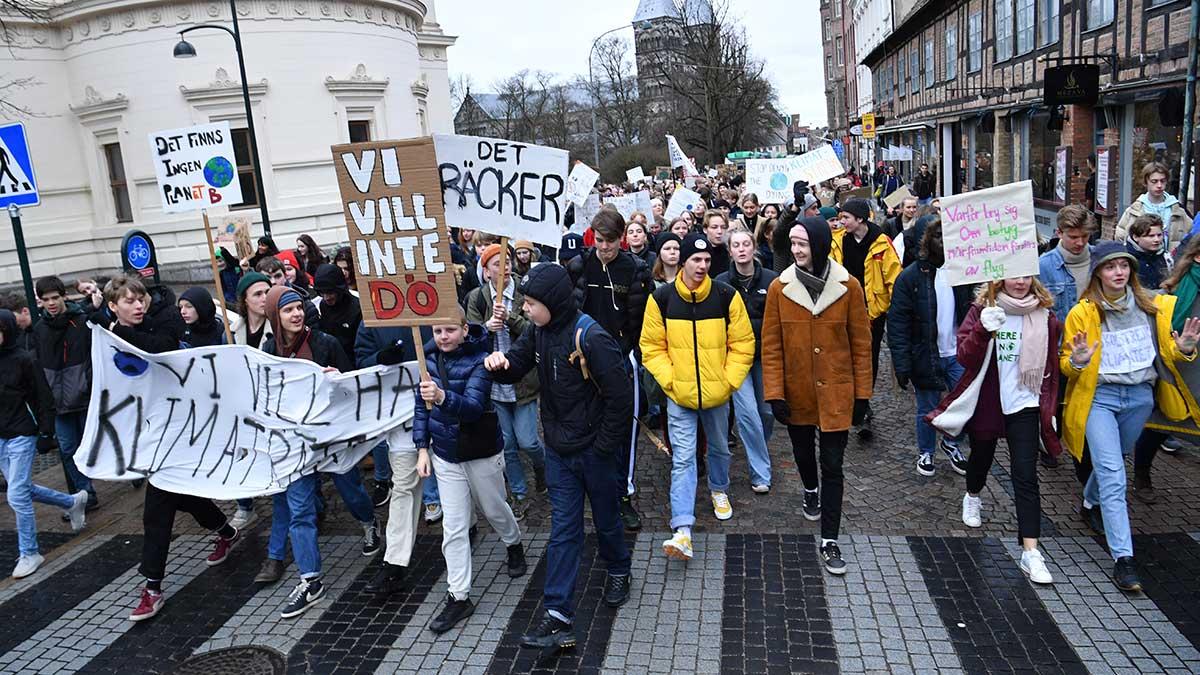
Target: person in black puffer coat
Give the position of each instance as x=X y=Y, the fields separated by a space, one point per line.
x=587 y=411
x=340 y=311
x=1145 y=243
x=199 y=313
x=162 y=317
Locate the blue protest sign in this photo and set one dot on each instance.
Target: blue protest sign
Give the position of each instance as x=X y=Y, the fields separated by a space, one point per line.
x=839 y=149
x=17 y=184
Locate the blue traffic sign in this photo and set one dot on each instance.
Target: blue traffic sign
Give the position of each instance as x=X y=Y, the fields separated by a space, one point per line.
x=138 y=252
x=839 y=149
x=17 y=184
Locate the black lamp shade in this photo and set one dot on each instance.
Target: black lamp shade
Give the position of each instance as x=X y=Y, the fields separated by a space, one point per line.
x=184 y=50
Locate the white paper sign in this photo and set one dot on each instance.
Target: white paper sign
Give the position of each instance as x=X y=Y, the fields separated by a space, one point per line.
x=195 y=167
x=990 y=234
x=682 y=200
x=585 y=212
x=580 y=183
x=641 y=202
x=635 y=175
x=771 y=179
x=818 y=165
x=1102 y=158
x=624 y=204
x=515 y=190
x=1126 y=351
x=678 y=159
x=230 y=422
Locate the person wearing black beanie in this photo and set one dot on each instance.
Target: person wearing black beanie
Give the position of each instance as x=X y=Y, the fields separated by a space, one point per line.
x=819 y=378
x=340 y=311
x=199 y=313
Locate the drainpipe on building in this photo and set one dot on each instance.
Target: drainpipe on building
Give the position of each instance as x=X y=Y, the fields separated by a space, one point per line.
x=1189 y=105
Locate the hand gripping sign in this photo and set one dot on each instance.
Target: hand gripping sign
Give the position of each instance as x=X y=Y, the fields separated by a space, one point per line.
x=392 y=201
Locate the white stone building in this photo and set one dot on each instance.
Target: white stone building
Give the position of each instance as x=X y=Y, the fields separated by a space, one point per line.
x=321 y=72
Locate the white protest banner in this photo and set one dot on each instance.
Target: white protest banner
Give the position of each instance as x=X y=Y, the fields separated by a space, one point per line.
x=771 y=180
x=625 y=204
x=713 y=173
x=231 y=422
x=195 y=167
x=1102 y=157
x=397 y=231
x=580 y=182
x=682 y=200
x=641 y=202
x=635 y=175
x=585 y=212
x=678 y=159
x=990 y=234
x=818 y=165
x=515 y=190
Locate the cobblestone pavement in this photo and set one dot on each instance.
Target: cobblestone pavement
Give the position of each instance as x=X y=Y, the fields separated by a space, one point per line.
x=922 y=594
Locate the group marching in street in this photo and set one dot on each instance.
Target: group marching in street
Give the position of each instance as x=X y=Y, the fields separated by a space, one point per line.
x=737 y=318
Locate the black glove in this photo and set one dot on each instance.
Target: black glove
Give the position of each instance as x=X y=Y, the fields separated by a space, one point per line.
x=781 y=411
x=799 y=189
x=391 y=356
x=46 y=443
x=902 y=380
x=861 y=408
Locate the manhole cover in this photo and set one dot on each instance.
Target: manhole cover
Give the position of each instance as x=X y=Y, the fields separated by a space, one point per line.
x=234 y=661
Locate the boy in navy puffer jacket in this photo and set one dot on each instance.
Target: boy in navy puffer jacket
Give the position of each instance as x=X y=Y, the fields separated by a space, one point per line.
x=458 y=391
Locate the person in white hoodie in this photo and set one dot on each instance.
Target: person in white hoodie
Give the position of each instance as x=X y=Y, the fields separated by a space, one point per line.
x=1155 y=200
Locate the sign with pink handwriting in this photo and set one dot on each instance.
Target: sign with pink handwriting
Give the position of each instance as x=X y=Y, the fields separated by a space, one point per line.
x=990 y=234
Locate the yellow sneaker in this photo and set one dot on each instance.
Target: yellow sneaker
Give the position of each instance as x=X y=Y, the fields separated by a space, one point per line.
x=721 y=506
x=678 y=547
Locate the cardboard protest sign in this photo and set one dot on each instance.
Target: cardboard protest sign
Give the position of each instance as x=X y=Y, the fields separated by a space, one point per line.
x=625 y=204
x=515 y=190
x=231 y=422
x=678 y=159
x=771 y=179
x=580 y=182
x=195 y=167
x=818 y=165
x=401 y=246
x=990 y=234
x=898 y=195
x=585 y=212
x=662 y=172
x=856 y=193
x=682 y=200
x=635 y=175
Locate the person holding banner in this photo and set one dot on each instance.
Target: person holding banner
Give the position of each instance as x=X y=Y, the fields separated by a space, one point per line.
x=815 y=335
x=587 y=426
x=294 y=514
x=1110 y=379
x=1007 y=345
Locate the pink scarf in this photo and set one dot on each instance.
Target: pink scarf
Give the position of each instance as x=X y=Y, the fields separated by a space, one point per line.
x=1034 y=335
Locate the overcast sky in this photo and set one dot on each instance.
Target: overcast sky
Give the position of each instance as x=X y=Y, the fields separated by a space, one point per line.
x=497 y=39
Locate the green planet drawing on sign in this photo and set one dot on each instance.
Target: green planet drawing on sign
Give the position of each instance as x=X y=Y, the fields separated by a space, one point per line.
x=218 y=172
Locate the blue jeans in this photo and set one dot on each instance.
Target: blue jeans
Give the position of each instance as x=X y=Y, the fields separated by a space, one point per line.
x=68 y=428
x=16 y=463
x=383 y=465
x=682 y=424
x=1118 y=414
x=429 y=490
x=295 y=516
x=928 y=399
x=569 y=479
x=753 y=425
x=519 y=425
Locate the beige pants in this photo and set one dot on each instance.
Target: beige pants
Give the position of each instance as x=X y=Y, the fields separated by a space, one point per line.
x=480 y=481
x=404 y=508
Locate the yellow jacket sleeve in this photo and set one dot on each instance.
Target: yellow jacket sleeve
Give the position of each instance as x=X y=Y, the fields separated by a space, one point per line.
x=654 y=347
x=1075 y=323
x=739 y=340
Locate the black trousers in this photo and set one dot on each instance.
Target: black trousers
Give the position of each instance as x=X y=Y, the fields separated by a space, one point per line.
x=1146 y=449
x=878 y=324
x=158 y=519
x=1021 y=429
x=833 y=452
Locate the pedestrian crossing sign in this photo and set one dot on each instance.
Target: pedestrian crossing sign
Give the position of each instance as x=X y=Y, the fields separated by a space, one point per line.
x=17 y=184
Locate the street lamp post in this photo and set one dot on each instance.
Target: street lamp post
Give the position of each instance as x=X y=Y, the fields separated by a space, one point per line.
x=185 y=50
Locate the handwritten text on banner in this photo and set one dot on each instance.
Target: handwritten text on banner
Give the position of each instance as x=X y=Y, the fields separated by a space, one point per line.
x=990 y=234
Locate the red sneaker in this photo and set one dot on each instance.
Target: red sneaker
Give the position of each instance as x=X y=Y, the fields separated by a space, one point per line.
x=222 y=548
x=151 y=602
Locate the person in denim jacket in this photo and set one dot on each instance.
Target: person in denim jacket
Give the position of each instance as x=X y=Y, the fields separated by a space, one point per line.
x=1063 y=270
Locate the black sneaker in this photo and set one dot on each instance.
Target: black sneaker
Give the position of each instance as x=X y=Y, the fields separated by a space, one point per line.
x=1143 y=489
x=307 y=594
x=1093 y=517
x=539 y=477
x=958 y=462
x=629 y=515
x=382 y=493
x=866 y=431
x=1171 y=445
x=388 y=580
x=925 y=464
x=812 y=505
x=831 y=555
x=616 y=589
x=1125 y=575
x=516 y=560
x=371 y=541
x=454 y=612
x=549 y=633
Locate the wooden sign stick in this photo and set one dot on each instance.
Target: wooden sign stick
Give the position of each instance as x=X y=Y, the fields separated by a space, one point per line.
x=503 y=262
x=212 y=259
x=420 y=347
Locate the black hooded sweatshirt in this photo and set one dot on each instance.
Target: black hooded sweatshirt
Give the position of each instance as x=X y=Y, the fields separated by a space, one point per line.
x=577 y=413
x=341 y=319
x=207 y=331
x=26 y=406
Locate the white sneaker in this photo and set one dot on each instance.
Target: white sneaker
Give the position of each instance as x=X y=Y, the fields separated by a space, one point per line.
x=679 y=546
x=1034 y=566
x=78 y=511
x=27 y=564
x=970 y=514
x=241 y=518
x=433 y=513
x=721 y=506
x=760 y=489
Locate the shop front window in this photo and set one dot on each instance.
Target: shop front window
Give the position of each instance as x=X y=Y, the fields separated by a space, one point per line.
x=1042 y=157
x=984 y=177
x=1153 y=142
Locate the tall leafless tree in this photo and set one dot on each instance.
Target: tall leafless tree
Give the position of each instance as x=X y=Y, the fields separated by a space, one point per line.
x=24 y=10
x=621 y=114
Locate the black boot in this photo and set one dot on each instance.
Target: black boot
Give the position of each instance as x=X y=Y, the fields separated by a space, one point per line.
x=1143 y=489
x=388 y=580
x=454 y=612
x=1125 y=575
x=516 y=560
x=616 y=589
x=550 y=633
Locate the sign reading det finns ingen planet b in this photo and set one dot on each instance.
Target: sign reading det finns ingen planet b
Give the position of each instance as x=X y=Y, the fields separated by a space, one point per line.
x=195 y=167
x=990 y=234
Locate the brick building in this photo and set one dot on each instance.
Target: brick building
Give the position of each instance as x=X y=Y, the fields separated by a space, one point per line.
x=961 y=83
x=838 y=68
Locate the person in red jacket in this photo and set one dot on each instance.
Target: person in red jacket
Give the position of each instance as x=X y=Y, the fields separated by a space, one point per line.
x=1008 y=347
